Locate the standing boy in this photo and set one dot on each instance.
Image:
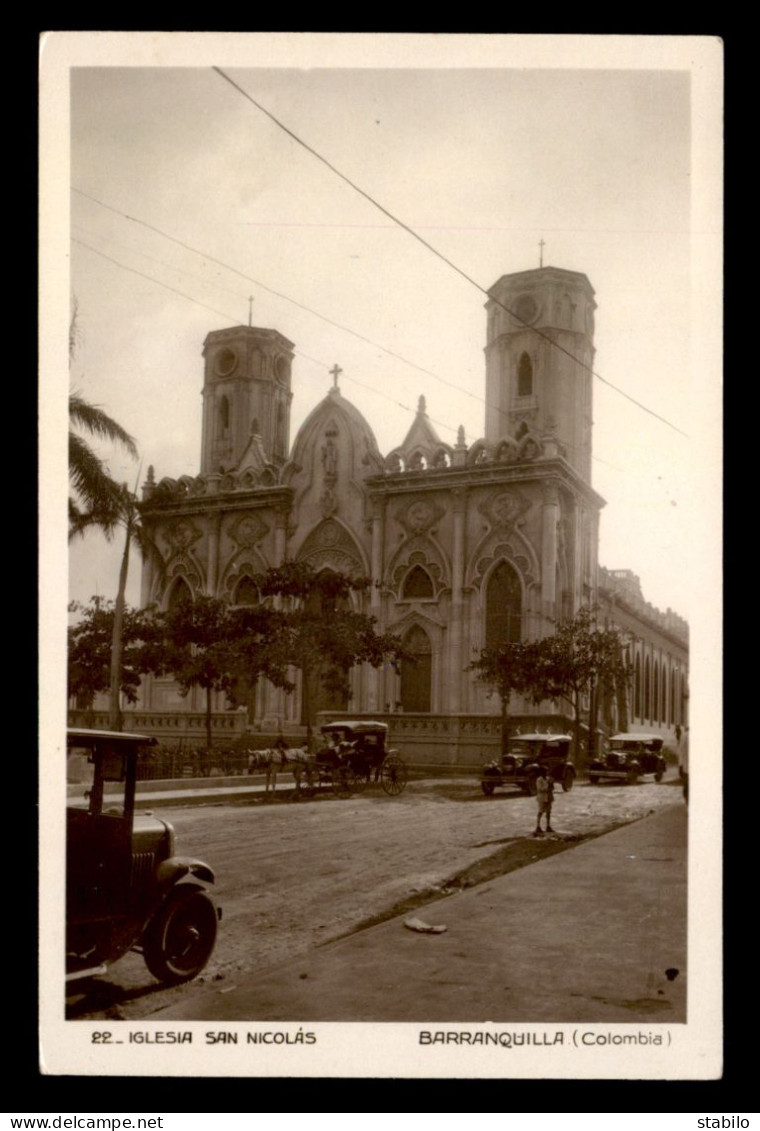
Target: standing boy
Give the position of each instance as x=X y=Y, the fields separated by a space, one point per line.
x=544 y=797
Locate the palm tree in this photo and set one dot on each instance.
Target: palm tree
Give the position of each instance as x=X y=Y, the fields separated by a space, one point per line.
x=96 y=501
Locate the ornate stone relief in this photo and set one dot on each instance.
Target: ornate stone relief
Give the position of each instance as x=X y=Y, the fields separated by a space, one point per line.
x=329 y=546
x=248 y=530
x=328 y=502
x=419 y=515
x=186 y=568
x=418 y=557
x=504 y=509
x=505 y=550
x=181 y=534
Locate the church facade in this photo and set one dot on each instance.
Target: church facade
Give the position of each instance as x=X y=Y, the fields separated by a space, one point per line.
x=470 y=543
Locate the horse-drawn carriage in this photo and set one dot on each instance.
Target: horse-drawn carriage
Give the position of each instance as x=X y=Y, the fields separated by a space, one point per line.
x=359 y=750
x=352 y=755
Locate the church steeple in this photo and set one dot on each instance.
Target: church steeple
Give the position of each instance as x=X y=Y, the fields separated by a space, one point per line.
x=247 y=379
x=530 y=382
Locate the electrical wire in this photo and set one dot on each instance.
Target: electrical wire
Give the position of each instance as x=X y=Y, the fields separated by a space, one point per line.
x=440 y=255
x=294 y=302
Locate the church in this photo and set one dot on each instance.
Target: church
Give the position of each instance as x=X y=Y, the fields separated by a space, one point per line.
x=470 y=543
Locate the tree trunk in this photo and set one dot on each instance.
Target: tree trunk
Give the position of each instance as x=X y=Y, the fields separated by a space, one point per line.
x=505 y=724
x=593 y=712
x=117 y=636
x=577 y=729
x=208 y=719
x=306 y=705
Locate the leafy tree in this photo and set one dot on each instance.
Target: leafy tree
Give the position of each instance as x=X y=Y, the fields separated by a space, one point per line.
x=121 y=513
x=207 y=643
x=89 y=650
x=513 y=667
x=579 y=659
x=322 y=635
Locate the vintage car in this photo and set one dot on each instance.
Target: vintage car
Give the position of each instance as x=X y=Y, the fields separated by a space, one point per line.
x=527 y=752
x=125 y=887
x=628 y=758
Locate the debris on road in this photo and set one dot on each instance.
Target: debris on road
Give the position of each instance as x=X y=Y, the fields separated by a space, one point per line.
x=424 y=928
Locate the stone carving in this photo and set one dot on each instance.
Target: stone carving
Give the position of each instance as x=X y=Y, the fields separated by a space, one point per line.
x=506 y=551
x=329 y=546
x=181 y=534
x=504 y=508
x=418 y=557
x=248 y=530
x=328 y=502
x=330 y=459
x=418 y=516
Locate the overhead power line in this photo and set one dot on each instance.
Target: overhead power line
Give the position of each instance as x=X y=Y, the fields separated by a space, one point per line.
x=230 y=318
x=279 y=294
x=415 y=235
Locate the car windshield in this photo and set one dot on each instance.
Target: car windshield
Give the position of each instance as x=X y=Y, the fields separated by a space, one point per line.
x=100 y=793
x=80 y=775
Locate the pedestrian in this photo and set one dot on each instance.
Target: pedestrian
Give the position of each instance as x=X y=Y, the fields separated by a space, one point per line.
x=683 y=752
x=544 y=797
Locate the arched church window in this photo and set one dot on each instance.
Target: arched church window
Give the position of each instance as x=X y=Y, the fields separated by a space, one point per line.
x=525 y=376
x=224 y=416
x=656 y=693
x=323 y=689
x=179 y=594
x=279 y=435
x=503 y=606
x=673 y=718
x=246 y=592
x=647 y=690
x=665 y=700
x=637 y=689
x=417 y=584
x=416 y=677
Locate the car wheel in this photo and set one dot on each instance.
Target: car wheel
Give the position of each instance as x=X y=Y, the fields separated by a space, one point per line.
x=632 y=777
x=658 y=775
x=488 y=787
x=179 y=940
x=593 y=778
x=568 y=777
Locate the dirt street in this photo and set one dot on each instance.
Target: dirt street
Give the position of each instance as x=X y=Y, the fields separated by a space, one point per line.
x=291 y=877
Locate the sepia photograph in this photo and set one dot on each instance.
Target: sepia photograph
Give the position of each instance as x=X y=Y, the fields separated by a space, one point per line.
x=381 y=571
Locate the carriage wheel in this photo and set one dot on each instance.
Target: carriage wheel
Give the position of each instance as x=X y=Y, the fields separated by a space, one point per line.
x=393 y=776
x=360 y=780
x=343 y=781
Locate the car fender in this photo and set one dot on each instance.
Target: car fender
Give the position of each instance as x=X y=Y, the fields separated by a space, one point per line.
x=177 y=867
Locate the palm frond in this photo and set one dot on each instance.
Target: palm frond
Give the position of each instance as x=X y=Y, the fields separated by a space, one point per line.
x=94 y=420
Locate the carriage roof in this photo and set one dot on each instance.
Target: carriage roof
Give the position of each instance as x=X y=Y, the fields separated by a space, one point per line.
x=630 y=736
x=356 y=726
x=541 y=738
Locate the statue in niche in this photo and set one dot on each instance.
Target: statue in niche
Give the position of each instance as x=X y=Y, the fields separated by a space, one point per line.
x=330 y=459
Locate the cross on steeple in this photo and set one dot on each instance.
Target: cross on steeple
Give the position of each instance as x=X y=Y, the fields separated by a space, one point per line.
x=335 y=371
x=541 y=244
x=250 y=311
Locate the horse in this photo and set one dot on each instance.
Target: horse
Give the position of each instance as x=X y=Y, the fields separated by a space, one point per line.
x=294 y=758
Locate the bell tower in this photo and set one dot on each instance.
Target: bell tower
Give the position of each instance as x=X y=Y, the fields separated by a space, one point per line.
x=539 y=357
x=246 y=388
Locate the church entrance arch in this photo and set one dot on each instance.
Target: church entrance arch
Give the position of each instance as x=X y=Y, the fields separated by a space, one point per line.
x=323 y=688
x=416 y=677
x=503 y=606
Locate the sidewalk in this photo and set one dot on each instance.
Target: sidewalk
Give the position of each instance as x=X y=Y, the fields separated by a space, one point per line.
x=586 y=935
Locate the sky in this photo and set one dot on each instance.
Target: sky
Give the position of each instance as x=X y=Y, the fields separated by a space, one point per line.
x=186 y=199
